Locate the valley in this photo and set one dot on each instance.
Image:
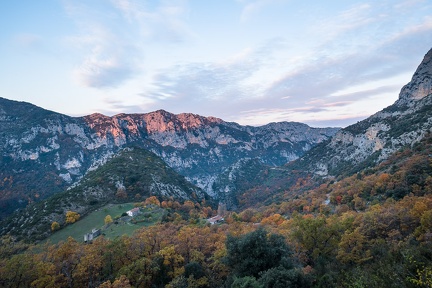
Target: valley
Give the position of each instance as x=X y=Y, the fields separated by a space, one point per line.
x=121 y=225
x=301 y=206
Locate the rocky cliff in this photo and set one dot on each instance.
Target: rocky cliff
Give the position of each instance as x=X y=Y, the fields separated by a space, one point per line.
x=44 y=152
x=372 y=140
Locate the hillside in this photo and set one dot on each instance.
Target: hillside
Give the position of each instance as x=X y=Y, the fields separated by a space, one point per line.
x=352 y=150
x=355 y=232
x=353 y=211
x=44 y=152
x=132 y=175
x=374 y=139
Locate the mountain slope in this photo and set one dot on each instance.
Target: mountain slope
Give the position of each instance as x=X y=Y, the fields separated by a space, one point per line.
x=202 y=147
x=243 y=175
x=44 y=152
x=372 y=140
x=354 y=149
x=35 y=149
x=130 y=176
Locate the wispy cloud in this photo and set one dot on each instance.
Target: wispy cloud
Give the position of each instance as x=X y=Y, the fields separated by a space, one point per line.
x=106 y=65
x=307 y=92
x=162 y=22
x=358 y=47
x=210 y=86
x=115 y=56
x=254 y=7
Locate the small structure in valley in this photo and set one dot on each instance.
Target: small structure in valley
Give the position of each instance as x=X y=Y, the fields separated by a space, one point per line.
x=133 y=212
x=92 y=235
x=216 y=219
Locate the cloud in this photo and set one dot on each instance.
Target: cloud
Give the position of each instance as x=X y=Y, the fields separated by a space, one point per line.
x=350 y=66
x=316 y=89
x=99 y=72
x=252 y=8
x=360 y=15
x=107 y=65
x=325 y=75
x=362 y=94
x=163 y=22
x=117 y=48
x=206 y=87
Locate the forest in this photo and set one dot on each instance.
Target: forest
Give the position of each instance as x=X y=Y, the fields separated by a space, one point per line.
x=385 y=245
x=371 y=229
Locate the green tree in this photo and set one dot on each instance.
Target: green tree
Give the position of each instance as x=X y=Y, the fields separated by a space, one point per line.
x=281 y=277
x=318 y=237
x=255 y=252
x=246 y=282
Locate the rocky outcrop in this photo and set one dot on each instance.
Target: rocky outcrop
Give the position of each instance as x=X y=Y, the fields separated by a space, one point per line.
x=420 y=85
x=44 y=152
x=372 y=140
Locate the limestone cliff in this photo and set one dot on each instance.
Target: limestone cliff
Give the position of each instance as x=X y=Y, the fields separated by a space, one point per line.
x=44 y=152
x=372 y=140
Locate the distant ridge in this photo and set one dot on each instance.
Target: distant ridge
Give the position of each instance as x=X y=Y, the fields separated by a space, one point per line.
x=44 y=152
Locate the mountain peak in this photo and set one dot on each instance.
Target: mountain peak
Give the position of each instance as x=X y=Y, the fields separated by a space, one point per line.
x=162 y=120
x=420 y=85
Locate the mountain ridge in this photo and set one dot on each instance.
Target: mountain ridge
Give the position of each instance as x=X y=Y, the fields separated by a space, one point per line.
x=44 y=152
x=373 y=139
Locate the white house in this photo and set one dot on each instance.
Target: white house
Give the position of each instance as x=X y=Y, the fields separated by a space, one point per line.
x=133 y=212
x=92 y=235
x=216 y=219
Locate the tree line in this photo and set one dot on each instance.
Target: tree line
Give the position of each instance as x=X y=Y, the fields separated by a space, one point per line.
x=386 y=245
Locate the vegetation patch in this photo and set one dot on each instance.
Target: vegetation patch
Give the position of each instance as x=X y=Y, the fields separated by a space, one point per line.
x=121 y=225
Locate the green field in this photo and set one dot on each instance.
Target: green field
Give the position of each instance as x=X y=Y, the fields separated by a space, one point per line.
x=96 y=220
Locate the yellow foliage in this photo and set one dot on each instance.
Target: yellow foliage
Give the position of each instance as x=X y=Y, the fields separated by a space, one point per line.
x=108 y=219
x=275 y=219
x=55 y=226
x=173 y=260
x=72 y=217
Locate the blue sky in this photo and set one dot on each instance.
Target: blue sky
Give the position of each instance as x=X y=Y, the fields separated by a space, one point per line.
x=324 y=63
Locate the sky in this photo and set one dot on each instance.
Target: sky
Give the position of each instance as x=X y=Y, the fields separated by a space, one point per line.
x=323 y=63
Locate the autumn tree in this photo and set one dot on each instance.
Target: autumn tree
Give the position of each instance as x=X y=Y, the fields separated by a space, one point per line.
x=17 y=271
x=353 y=248
x=122 y=282
x=142 y=272
x=55 y=226
x=108 y=219
x=121 y=193
x=152 y=200
x=90 y=267
x=72 y=217
x=172 y=261
x=10 y=246
x=61 y=263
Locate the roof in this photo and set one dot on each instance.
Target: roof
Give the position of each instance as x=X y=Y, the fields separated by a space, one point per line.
x=215 y=219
